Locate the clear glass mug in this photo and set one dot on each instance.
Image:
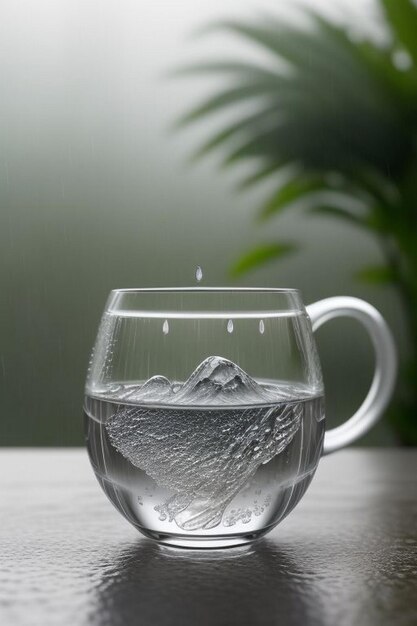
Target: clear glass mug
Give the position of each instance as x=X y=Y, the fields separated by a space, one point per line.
x=204 y=408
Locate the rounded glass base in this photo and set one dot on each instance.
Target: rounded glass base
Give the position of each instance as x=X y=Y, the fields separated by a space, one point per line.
x=200 y=542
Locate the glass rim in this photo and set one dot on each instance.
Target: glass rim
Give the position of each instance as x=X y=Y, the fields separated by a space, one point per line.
x=133 y=290
x=184 y=302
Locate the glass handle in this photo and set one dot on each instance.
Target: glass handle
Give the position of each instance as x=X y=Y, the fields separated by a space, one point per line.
x=383 y=381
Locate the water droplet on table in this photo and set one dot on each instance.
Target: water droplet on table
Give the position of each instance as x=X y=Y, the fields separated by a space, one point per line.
x=261 y=327
x=165 y=327
x=230 y=326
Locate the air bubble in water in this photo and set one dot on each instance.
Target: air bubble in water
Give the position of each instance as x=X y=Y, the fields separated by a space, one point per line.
x=198 y=273
x=165 y=327
x=230 y=326
x=261 y=327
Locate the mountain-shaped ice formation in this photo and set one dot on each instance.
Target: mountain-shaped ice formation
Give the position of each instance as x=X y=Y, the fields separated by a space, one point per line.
x=203 y=455
x=216 y=382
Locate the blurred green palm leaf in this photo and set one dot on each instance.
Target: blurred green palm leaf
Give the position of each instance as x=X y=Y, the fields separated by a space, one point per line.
x=262 y=254
x=323 y=103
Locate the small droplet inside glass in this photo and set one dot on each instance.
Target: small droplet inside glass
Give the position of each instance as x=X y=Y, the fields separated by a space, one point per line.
x=261 y=327
x=165 y=327
x=198 y=273
x=230 y=326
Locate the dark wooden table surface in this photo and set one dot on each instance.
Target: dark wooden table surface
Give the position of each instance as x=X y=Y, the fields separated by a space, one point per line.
x=347 y=555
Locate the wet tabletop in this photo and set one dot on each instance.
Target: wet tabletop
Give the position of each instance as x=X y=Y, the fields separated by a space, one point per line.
x=346 y=555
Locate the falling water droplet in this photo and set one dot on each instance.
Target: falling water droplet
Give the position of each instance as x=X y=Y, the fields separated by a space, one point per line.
x=261 y=327
x=165 y=327
x=198 y=273
x=230 y=326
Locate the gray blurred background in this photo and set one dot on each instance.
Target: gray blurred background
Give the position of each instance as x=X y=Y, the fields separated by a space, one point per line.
x=96 y=192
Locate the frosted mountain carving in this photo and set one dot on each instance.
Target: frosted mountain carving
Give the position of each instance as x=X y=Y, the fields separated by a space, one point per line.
x=206 y=440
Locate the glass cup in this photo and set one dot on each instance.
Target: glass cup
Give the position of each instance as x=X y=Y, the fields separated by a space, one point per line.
x=204 y=408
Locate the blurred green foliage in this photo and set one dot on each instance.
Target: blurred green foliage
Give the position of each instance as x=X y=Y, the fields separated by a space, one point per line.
x=333 y=119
